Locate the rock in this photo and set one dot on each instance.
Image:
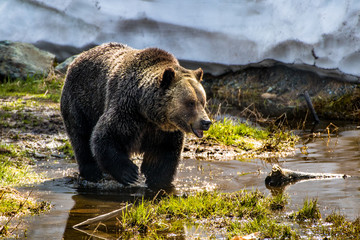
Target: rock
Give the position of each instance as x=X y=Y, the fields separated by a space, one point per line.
x=62 y=67
x=58 y=155
x=20 y=60
x=39 y=155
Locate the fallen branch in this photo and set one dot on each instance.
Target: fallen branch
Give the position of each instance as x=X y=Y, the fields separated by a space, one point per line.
x=103 y=217
x=280 y=176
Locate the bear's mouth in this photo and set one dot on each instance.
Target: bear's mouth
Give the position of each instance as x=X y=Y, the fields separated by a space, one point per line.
x=198 y=133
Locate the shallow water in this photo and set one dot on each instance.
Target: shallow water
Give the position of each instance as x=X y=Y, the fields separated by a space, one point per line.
x=339 y=153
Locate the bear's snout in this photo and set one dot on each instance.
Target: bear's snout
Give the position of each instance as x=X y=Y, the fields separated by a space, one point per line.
x=200 y=126
x=205 y=124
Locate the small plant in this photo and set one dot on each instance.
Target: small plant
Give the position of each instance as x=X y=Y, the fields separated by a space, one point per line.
x=137 y=220
x=340 y=227
x=278 y=202
x=66 y=149
x=309 y=211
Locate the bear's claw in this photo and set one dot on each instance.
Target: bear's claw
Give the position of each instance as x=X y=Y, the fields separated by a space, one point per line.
x=129 y=176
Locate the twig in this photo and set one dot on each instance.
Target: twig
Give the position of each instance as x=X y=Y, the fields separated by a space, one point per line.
x=102 y=217
x=311 y=107
x=92 y=234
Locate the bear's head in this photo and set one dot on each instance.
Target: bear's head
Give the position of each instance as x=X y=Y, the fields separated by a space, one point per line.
x=186 y=107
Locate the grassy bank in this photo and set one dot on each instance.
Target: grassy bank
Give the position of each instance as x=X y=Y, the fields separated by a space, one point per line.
x=247 y=137
x=226 y=215
x=21 y=145
x=16 y=170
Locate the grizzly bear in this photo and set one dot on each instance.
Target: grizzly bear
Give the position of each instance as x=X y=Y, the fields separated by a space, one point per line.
x=118 y=101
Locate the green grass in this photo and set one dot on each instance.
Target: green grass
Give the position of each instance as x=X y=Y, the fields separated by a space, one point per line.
x=239 y=213
x=17 y=98
x=309 y=211
x=15 y=171
x=66 y=149
x=235 y=214
x=15 y=167
x=230 y=132
x=340 y=227
x=40 y=88
x=14 y=204
x=247 y=137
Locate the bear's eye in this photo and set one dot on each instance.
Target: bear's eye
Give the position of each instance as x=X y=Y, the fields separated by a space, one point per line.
x=191 y=104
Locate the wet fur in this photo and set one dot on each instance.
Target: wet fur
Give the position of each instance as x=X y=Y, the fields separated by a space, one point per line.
x=117 y=101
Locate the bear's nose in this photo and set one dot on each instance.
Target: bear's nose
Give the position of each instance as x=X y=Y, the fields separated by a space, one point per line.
x=205 y=124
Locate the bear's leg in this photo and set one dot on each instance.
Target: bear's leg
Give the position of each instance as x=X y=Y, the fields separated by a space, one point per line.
x=109 y=150
x=79 y=133
x=88 y=167
x=162 y=152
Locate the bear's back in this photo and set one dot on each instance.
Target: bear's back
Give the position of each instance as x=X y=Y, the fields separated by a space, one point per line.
x=95 y=77
x=86 y=79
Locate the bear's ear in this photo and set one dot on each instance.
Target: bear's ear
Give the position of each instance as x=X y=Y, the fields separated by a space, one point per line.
x=167 y=77
x=199 y=74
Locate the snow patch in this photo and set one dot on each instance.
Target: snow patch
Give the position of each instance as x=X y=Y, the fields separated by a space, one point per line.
x=323 y=33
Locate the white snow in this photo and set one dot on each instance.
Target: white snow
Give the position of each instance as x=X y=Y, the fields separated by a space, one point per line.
x=321 y=33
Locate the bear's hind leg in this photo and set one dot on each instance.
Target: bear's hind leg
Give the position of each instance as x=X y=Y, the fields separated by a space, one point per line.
x=79 y=133
x=88 y=167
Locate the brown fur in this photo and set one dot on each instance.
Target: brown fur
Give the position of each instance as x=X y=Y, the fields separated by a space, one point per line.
x=117 y=101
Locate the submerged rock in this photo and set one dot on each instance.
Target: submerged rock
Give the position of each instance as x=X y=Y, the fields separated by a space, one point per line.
x=20 y=60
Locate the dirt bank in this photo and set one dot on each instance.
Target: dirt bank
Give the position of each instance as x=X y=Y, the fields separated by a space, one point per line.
x=279 y=89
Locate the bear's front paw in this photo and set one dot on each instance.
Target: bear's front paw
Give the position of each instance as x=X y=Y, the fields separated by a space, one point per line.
x=127 y=175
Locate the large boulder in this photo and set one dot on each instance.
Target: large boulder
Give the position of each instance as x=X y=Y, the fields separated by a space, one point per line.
x=20 y=60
